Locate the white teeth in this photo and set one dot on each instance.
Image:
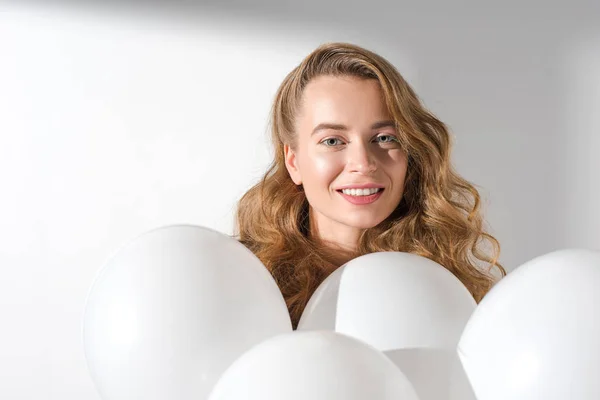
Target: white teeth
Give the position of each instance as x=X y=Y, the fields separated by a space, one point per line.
x=360 y=192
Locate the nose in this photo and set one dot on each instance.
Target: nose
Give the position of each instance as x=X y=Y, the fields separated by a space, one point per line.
x=360 y=159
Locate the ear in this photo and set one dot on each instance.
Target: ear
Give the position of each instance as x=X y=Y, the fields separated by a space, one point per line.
x=291 y=163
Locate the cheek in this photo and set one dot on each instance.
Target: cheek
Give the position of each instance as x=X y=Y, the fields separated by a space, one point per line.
x=325 y=164
x=323 y=168
x=397 y=166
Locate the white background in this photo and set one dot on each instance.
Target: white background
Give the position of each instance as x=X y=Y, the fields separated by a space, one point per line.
x=117 y=119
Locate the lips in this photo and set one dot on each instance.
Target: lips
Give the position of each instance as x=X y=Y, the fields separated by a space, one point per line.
x=361 y=200
x=360 y=186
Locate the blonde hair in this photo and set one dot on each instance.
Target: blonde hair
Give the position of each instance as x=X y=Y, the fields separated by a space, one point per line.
x=438 y=217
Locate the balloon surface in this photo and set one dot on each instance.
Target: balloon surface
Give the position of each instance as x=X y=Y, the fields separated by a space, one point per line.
x=316 y=365
x=321 y=309
x=536 y=334
x=392 y=300
x=408 y=306
x=172 y=309
x=436 y=374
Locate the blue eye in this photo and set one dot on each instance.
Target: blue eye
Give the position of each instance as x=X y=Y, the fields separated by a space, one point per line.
x=328 y=140
x=331 y=142
x=392 y=139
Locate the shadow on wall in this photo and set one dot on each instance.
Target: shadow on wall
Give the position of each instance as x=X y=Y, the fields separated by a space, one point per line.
x=581 y=131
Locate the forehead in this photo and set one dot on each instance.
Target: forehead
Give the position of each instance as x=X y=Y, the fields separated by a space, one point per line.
x=347 y=98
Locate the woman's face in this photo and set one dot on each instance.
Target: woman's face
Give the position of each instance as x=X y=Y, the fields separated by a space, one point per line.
x=346 y=139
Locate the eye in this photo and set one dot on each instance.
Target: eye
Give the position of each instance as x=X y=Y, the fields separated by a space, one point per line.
x=329 y=142
x=389 y=139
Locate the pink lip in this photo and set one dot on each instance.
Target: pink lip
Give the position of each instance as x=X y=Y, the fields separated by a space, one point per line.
x=361 y=200
x=361 y=186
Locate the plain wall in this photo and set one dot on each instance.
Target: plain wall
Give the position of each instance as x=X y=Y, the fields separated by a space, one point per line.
x=117 y=119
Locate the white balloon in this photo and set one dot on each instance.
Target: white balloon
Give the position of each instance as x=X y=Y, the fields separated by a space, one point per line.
x=536 y=334
x=436 y=374
x=171 y=310
x=317 y=365
x=392 y=300
x=406 y=305
x=320 y=311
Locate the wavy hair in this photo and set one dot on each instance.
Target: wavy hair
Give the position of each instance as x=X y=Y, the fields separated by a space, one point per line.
x=438 y=217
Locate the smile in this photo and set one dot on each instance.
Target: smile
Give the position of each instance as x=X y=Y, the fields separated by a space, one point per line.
x=360 y=197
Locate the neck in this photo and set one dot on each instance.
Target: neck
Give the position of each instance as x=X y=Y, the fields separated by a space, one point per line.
x=340 y=240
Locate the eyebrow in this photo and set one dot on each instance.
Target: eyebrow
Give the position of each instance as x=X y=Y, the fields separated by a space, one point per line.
x=340 y=127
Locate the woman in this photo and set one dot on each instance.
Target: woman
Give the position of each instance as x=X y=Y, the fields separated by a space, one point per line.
x=360 y=166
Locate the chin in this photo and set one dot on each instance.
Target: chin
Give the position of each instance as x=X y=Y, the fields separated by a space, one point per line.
x=362 y=224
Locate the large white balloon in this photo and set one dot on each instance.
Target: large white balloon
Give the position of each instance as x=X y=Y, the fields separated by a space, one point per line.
x=171 y=310
x=316 y=365
x=536 y=334
x=321 y=310
x=406 y=305
x=392 y=300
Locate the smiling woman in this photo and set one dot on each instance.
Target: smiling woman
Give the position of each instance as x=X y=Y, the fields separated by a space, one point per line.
x=360 y=166
x=336 y=162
